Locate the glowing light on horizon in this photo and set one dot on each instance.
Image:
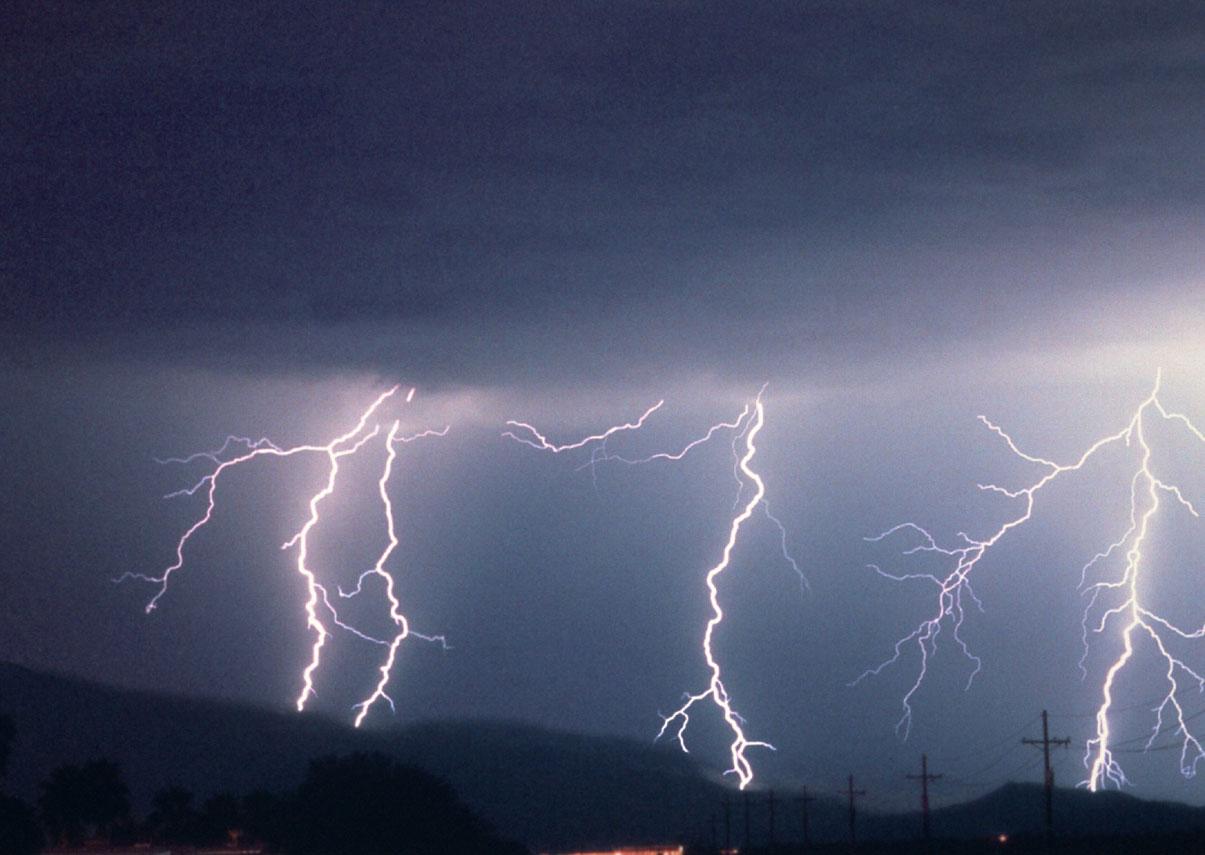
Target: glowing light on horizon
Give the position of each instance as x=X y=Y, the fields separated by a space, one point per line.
x=317 y=597
x=746 y=426
x=1146 y=491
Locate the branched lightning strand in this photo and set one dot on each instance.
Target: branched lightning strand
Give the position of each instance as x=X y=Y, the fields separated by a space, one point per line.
x=210 y=483
x=539 y=441
x=745 y=427
x=378 y=569
x=216 y=455
x=805 y=587
x=341 y=446
x=605 y=456
x=316 y=591
x=715 y=689
x=1146 y=489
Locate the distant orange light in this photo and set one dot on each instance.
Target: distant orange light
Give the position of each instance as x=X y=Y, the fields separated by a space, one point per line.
x=1001 y=839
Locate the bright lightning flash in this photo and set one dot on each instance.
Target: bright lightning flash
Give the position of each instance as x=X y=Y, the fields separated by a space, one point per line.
x=746 y=427
x=1146 y=490
x=715 y=688
x=341 y=446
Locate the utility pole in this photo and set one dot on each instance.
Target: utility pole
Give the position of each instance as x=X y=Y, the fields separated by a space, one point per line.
x=924 y=777
x=748 y=839
x=1046 y=742
x=852 y=793
x=771 y=819
x=804 y=800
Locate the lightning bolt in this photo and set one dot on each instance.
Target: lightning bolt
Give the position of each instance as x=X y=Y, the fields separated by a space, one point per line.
x=1145 y=493
x=746 y=426
x=1146 y=490
x=715 y=689
x=378 y=570
x=343 y=445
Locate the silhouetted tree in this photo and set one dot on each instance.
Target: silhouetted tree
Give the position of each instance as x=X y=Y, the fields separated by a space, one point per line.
x=20 y=833
x=172 y=818
x=220 y=817
x=19 y=830
x=7 y=731
x=79 y=801
x=367 y=804
x=264 y=816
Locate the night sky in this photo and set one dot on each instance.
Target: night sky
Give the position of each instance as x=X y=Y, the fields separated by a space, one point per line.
x=251 y=219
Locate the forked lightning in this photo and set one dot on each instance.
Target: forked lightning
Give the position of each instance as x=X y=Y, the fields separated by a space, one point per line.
x=746 y=426
x=317 y=597
x=1148 y=490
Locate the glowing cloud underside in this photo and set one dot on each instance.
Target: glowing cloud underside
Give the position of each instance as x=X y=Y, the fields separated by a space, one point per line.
x=317 y=598
x=745 y=427
x=1148 y=490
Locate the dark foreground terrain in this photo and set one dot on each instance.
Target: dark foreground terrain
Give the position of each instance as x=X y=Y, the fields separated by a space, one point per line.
x=551 y=791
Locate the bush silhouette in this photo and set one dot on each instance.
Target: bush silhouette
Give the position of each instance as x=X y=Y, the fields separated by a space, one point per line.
x=19 y=830
x=7 y=732
x=367 y=804
x=264 y=816
x=85 y=801
x=20 y=833
x=172 y=818
x=221 y=815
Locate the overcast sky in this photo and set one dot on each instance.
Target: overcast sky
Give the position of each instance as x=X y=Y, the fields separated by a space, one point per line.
x=253 y=218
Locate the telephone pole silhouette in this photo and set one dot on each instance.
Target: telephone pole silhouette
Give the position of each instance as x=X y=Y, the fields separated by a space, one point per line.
x=924 y=777
x=852 y=793
x=1046 y=742
x=804 y=801
x=748 y=838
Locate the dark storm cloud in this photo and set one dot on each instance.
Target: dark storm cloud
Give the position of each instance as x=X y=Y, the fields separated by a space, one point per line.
x=175 y=175
x=249 y=218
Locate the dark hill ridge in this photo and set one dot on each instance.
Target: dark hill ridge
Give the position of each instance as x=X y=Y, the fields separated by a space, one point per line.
x=549 y=789
x=1013 y=808
x=542 y=787
x=1016 y=809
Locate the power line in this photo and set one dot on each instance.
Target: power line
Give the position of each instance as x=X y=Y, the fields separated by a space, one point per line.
x=1010 y=738
x=1149 y=705
x=1169 y=728
x=987 y=783
x=1008 y=752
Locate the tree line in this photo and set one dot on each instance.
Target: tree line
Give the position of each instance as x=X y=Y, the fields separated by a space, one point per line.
x=360 y=804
